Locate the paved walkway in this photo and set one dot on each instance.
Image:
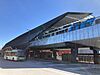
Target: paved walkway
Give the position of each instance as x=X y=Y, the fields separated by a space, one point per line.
x=34 y=67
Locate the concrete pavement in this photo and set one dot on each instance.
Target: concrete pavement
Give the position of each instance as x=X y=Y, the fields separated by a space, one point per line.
x=34 y=67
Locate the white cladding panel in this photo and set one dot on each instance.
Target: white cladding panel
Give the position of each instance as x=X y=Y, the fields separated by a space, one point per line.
x=85 y=50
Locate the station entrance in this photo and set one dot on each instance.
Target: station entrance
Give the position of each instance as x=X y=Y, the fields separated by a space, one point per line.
x=40 y=54
x=84 y=55
x=81 y=55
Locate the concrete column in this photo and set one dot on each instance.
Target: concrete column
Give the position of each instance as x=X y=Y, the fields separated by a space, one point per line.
x=54 y=54
x=26 y=53
x=96 y=56
x=34 y=53
x=74 y=54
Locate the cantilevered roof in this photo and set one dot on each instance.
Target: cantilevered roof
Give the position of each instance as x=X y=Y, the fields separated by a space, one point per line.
x=78 y=15
x=22 y=41
x=69 y=18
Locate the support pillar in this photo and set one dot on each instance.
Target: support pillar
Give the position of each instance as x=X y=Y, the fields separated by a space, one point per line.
x=96 y=56
x=54 y=54
x=74 y=55
x=34 y=53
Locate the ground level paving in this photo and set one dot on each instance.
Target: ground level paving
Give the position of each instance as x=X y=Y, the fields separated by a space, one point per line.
x=39 y=67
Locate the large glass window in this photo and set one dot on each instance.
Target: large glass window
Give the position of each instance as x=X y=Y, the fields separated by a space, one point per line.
x=89 y=22
x=70 y=28
x=52 y=34
x=82 y=25
x=60 y=32
x=66 y=30
x=77 y=25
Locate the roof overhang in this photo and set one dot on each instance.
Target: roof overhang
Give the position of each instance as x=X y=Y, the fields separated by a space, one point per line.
x=23 y=38
x=75 y=16
x=69 y=18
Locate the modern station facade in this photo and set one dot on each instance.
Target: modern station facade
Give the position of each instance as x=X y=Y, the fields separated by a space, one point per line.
x=71 y=37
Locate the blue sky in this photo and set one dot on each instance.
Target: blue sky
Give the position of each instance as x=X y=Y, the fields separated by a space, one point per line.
x=16 y=16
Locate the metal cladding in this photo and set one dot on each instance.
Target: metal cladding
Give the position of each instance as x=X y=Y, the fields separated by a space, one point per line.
x=23 y=41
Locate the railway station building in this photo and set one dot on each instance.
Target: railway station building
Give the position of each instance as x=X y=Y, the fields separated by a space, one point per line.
x=72 y=37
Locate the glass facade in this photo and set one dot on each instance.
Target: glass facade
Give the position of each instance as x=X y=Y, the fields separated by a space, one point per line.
x=69 y=28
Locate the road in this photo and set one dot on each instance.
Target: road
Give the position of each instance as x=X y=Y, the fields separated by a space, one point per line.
x=38 y=67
